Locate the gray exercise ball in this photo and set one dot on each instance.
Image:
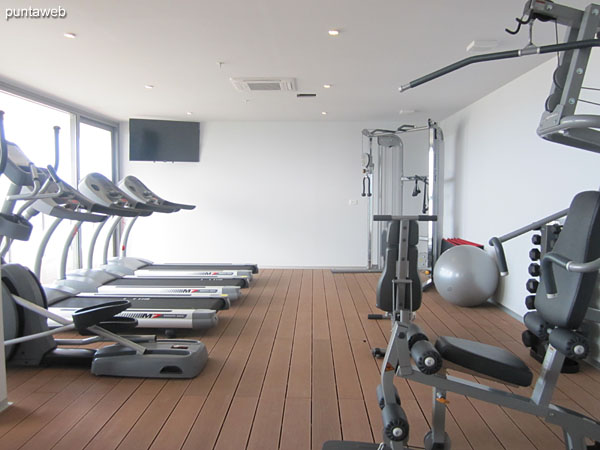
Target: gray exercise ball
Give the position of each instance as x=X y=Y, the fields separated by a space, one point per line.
x=465 y=275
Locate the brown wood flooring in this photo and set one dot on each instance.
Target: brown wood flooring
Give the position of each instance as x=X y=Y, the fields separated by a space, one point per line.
x=290 y=367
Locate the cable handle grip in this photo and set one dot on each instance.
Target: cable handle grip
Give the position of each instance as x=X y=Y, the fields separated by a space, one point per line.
x=529 y=50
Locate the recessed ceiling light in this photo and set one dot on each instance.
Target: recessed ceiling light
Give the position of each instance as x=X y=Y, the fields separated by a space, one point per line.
x=70 y=35
x=189 y=113
x=407 y=111
x=333 y=32
x=324 y=113
x=149 y=86
x=326 y=86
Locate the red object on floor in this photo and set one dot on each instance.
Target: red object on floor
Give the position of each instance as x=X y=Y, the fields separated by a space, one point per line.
x=458 y=241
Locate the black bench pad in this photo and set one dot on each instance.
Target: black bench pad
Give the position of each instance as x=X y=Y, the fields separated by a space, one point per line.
x=485 y=359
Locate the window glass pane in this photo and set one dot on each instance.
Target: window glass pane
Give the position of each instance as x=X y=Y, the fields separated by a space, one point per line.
x=95 y=150
x=30 y=125
x=95 y=155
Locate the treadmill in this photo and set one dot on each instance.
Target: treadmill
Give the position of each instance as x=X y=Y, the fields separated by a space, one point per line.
x=63 y=202
x=140 y=192
x=89 y=280
x=101 y=190
x=107 y=278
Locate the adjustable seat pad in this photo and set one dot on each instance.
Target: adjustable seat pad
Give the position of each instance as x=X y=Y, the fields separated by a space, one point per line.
x=485 y=359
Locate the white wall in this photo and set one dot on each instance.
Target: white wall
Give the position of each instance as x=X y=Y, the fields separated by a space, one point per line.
x=500 y=175
x=275 y=193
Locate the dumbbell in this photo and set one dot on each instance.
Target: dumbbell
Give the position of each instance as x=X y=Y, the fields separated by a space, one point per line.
x=534 y=254
x=534 y=270
x=530 y=302
x=532 y=285
x=536 y=239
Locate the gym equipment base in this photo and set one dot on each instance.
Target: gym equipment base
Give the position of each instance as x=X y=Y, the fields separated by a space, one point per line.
x=173 y=358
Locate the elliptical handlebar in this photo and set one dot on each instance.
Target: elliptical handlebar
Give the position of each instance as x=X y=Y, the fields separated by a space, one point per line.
x=36 y=183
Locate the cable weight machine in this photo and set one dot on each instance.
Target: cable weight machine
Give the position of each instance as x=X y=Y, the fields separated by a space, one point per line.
x=383 y=186
x=560 y=310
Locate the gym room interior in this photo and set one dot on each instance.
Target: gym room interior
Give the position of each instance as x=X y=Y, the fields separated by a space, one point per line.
x=290 y=106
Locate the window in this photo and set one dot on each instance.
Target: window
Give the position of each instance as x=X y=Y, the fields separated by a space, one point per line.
x=30 y=124
x=95 y=150
x=95 y=155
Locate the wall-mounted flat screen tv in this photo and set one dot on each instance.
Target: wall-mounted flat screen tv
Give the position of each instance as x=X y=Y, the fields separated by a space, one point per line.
x=164 y=140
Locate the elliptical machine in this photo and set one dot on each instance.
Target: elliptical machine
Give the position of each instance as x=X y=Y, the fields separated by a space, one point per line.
x=27 y=338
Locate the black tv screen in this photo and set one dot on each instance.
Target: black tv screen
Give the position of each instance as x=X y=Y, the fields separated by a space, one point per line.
x=164 y=140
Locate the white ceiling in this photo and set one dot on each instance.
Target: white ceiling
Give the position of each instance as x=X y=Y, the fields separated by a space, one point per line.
x=176 y=45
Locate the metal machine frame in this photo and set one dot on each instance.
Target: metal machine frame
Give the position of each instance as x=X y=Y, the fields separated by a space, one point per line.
x=385 y=166
x=559 y=124
x=398 y=362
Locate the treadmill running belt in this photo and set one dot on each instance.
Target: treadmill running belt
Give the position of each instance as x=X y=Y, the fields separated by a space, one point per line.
x=250 y=267
x=146 y=302
x=179 y=282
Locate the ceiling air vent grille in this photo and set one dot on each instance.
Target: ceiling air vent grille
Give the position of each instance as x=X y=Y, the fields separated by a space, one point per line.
x=264 y=84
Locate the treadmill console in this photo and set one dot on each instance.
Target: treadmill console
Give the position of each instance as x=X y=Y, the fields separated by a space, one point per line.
x=100 y=189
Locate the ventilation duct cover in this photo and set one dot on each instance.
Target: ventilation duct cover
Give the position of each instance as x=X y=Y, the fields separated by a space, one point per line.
x=264 y=84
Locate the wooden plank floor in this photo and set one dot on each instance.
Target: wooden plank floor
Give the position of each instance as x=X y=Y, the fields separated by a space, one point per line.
x=290 y=367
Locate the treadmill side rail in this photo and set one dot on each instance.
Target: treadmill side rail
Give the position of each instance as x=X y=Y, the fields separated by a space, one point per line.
x=209 y=274
x=195 y=319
